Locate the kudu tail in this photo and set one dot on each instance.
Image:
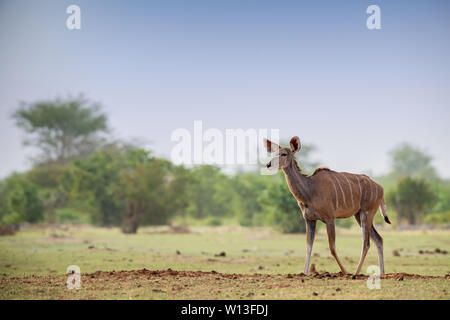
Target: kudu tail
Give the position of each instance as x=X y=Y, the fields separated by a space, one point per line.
x=383 y=211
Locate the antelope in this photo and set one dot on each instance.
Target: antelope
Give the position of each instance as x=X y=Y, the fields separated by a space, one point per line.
x=327 y=195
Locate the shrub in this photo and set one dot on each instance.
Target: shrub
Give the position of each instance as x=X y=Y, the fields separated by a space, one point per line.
x=442 y=218
x=19 y=201
x=70 y=215
x=214 y=222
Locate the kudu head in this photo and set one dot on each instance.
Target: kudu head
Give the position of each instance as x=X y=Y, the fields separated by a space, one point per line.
x=283 y=156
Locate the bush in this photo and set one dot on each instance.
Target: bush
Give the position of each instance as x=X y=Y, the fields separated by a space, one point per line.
x=441 y=218
x=70 y=215
x=19 y=201
x=412 y=199
x=214 y=222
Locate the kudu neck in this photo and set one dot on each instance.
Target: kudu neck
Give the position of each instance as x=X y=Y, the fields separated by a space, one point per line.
x=299 y=184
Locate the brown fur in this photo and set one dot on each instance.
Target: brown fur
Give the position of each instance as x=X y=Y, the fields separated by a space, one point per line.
x=320 y=169
x=327 y=195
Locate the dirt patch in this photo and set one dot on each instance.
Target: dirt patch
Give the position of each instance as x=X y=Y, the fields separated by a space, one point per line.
x=169 y=230
x=195 y=274
x=59 y=239
x=7 y=230
x=172 y=284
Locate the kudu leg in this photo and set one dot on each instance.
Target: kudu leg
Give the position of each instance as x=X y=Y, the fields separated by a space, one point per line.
x=375 y=236
x=332 y=242
x=310 y=233
x=366 y=228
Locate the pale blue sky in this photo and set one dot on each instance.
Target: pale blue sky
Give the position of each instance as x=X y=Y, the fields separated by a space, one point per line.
x=309 y=68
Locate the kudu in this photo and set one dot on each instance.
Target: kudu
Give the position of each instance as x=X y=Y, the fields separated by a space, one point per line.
x=327 y=195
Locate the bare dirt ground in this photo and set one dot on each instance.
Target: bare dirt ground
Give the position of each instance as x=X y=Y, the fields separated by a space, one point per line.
x=171 y=284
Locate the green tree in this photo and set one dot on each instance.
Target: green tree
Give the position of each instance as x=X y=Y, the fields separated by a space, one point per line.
x=281 y=207
x=96 y=180
x=62 y=129
x=19 y=201
x=248 y=188
x=412 y=199
x=408 y=161
x=211 y=193
x=153 y=191
x=443 y=197
x=142 y=189
x=54 y=183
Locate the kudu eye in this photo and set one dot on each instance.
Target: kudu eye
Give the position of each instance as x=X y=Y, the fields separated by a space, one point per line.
x=284 y=154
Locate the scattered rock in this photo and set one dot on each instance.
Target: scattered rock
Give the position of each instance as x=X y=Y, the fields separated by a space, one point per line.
x=178 y=252
x=260 y=267
x=250 y=294
x=316 y=255
x=338 y=289
x=354 y=277
x=400 y=279
x=315 y=294
x=395 y=253
x=221 y=254
x=91 y=247
x=435 y=251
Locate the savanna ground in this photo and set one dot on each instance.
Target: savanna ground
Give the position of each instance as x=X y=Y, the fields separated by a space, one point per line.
x=216 y=263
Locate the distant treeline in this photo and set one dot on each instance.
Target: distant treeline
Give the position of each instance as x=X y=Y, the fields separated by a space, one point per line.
x=82 y=176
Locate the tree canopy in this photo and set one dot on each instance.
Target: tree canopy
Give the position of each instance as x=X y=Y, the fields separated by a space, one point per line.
x=408 y=161
x=412 y=198
x=62 y=129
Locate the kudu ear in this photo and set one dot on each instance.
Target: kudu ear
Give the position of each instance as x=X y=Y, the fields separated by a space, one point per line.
x=271 y=146
x=295 y=144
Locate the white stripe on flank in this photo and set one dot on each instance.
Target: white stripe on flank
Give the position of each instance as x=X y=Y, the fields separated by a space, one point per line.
x=360 y=190
x=351 y=191
x=376 y=192
x=342 y=190
x=370 y=186
x=335 y=192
